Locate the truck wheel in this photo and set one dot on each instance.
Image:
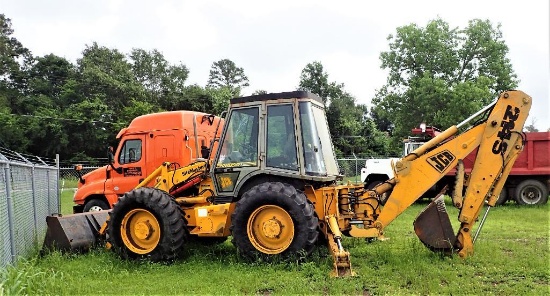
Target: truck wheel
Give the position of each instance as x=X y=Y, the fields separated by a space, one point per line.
x=95 y=205
x=531 y=192
x=502 y=197
x=147 y=223
x=384 y=196
x=274 y=219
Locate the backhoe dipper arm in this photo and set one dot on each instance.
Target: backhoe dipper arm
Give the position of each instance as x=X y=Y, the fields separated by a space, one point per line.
x=499 y=139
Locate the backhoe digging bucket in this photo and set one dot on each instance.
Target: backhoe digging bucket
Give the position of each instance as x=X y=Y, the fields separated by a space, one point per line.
x=433 y=227
x=77 y=232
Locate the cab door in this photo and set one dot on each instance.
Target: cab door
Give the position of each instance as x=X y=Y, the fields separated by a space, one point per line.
x=130 y=160
x=238 y=156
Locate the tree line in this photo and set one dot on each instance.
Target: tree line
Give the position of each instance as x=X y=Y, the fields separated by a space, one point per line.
x=437 y=75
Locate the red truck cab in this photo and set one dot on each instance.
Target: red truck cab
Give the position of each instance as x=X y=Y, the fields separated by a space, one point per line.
x=179 y=137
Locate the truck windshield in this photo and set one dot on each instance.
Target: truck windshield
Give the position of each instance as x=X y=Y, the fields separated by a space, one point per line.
x=410 y=147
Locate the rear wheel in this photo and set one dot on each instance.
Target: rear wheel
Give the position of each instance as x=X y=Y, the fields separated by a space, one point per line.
x=274 y=219
x=95 y=205
x=147 y=223
x=531 y=192
x=502 y=197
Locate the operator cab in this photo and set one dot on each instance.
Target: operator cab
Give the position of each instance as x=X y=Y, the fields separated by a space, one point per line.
x=278 y=134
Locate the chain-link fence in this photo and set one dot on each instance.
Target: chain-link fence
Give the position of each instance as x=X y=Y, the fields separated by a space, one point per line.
x=28 y=193
x=351 y=167
x=69 y=173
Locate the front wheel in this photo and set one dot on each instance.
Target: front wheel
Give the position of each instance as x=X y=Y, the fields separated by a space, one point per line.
x=274 y=219
x=95 y=205
x=531 y=192
x=147 y=223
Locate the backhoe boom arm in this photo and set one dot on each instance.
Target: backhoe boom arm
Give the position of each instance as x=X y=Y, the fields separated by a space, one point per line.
x=499 y=140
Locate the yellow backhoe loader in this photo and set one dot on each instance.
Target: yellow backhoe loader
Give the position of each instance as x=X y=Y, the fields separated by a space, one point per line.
x=272 y=186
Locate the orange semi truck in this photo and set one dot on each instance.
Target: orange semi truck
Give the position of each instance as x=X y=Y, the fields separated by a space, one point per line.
x=178 y=137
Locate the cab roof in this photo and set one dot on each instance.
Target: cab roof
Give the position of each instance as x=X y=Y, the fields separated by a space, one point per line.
x=299 y=94
x=170 y=120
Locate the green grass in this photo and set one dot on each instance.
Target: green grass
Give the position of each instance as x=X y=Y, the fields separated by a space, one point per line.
x=67 y=201
x=68 y=183
x=511 y=258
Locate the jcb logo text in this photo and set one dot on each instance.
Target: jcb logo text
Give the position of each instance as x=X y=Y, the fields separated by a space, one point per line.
x=441 y=160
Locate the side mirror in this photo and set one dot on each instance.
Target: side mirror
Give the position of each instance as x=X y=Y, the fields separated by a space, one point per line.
x=111 y=159
x=78 y=169
x=110 y=155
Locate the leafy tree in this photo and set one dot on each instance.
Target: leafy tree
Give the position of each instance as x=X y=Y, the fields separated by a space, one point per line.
x=162 y=81
x=440 y=75
x=89 y=127
x=220 y=98
x=14 y=61
x=38 y=108
x=259 y=92
x=352 y=132
x=13 y=55
x=224 y=73
x=315 y=79
x=107 y=75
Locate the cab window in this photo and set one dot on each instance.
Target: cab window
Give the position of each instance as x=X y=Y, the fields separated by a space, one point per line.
x=281 y=138
x=130 y=152
x=240 y=143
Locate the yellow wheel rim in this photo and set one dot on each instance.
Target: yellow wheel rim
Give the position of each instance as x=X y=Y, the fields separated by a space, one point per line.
x=140 y=231
x=270 y=229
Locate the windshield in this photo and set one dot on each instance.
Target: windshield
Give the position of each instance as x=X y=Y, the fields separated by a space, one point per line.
x=410 y=147
x=313 y=152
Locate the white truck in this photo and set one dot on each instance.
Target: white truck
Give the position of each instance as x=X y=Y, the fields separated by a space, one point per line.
x=379 y=170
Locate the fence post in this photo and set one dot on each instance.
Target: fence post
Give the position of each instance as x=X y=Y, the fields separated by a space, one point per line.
x=33 y=186
x=49 y=202
x=58 y=194
x=356 y=168
x=10 y=212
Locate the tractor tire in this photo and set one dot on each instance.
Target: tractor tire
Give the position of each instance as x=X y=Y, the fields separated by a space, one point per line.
x=274 y=220
x=384 y=196
x=95 y=205
x=147 y=223
x=503 y=197
x=531 y=192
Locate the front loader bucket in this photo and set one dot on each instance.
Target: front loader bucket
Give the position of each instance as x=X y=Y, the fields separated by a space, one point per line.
x=77 y=232
x=433 y=227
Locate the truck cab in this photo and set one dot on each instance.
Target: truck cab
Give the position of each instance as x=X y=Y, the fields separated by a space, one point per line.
x=178 y=137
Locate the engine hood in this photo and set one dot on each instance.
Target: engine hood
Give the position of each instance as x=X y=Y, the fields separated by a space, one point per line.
x=95 y=175
x=94 y=183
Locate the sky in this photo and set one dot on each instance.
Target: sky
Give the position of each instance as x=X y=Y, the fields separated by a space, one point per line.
x=274 y=40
